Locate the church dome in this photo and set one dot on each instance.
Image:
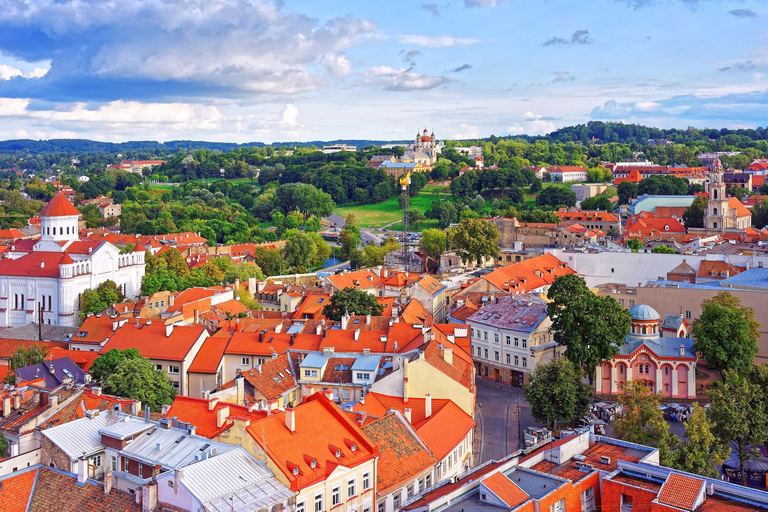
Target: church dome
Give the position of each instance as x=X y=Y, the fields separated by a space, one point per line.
x=644 y=312
x=59 y=206
x=426 y=138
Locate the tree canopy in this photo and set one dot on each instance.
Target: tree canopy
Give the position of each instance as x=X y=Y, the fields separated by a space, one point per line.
x=352 y=301
x=726 y=333
x=693 y=216
x=137 y=378
x=474 y=239
x=591 y=328
x=556 y=392
x=106 y=364
x=641 y=421
x=95 y=301
x=702 y=452
x=25 y=356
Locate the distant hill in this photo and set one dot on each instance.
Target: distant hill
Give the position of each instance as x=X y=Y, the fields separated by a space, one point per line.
x=80 y=146
x=585 y=133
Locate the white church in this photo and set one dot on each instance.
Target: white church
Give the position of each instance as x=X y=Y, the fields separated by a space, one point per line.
x=51 y=273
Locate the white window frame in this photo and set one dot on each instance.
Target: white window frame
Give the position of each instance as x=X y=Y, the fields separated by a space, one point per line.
x=352 y=488
x=336 y=496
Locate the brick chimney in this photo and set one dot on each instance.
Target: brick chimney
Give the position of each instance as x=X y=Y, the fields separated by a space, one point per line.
x=407 y=414
x=240 y=387
x=428 y=405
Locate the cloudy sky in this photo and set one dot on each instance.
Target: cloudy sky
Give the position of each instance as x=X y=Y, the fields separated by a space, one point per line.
x=256 y=70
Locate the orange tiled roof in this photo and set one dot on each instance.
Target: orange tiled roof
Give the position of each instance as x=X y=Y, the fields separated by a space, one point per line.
x=741 y=210
x=59 y=206
x=151 y=341
x=82 y=358
x=402 y=457
x=247 y=343
x=570 y=214
x=680 y=491
x=275 y=378
x=312 y=306
x=416 y=313
x=203 y=414
x=16 y=489
x=441 y=432
x=59 y=491
x=718 y=269
x=505 y=489
x=646 y=224
x=209 y=356
x=528 y=275
x=321 y=429
x=194 y=294
x=9 y=346
x=97 y=328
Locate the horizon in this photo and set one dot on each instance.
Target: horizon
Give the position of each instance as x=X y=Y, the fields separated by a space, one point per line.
x=301 y=71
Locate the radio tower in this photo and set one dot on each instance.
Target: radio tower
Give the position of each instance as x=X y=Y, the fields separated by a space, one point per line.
x=405 y=182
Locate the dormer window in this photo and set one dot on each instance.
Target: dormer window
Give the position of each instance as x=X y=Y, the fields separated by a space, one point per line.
x=313 y=464
x=296 y=470
x=353 y=447
x=338 y=452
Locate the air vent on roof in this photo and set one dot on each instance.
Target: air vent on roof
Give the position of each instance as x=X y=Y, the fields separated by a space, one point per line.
x=583 y=466
x=605 y=460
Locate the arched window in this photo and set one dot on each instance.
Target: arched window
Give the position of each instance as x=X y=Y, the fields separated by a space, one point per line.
x=714 y=225
x=644 y=330
x=714 y=210
x=714 y=193
x=647 y=369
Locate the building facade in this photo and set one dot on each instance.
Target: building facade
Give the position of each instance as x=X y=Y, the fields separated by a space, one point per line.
x=47 y=276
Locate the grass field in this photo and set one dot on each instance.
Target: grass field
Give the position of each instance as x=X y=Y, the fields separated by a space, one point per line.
x=380 y=214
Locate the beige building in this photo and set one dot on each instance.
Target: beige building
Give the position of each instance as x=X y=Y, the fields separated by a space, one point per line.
x=687 y=301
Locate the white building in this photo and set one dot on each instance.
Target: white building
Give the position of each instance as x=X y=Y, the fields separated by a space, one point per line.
x=338 y=148
x=51 y=273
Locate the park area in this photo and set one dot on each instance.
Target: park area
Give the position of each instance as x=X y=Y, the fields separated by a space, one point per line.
x=387 y=212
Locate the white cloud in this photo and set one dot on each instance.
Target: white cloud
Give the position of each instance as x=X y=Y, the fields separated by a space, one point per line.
x=13 y=107
x=290 y=114
x=7 y=72
x=438 y=41
x=394 y=79
x=466 y=131
x=337 y=63
x=647 y=106
x=483 y=3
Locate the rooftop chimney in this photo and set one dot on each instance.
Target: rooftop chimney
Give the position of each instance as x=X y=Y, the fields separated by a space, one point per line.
x=367 y=319
x=240 y=385
x=6 y=406
x=168 y=330
x=82 y=470
x=357 y=334
x=290 y=419
x=114 y=325
x=107 y=482
x=448 y=355
x=345 y=320
x=407 y=413
x=96 y=390
x=428 y=405
x=221 y=416
x=682 y=350
x=212 y=404
x=328 y=394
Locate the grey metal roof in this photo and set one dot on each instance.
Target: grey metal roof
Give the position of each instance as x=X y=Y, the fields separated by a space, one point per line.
x=534 y=484
x=314 y=361
x=671 y=321
x=754 y=277
x=127 y=426
x=644 y=312
x=172 y=448
x=522 y=313
x=234 y=480
x=83 y=435
x=31 y=332
x=662 y=346
x=366 y=363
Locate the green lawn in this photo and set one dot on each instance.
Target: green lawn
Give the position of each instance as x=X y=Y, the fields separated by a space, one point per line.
x=380 y=214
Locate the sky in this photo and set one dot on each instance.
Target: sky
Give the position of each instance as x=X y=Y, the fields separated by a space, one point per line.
x=302 y=70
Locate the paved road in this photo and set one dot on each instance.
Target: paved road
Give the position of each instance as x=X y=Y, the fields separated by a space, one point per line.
x=500 y=410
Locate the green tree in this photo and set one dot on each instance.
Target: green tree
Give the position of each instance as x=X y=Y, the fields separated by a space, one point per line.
x=106 y=364
x=760 y=214
x=626 y=190
x=475 y=239
x=433 y=242
x=138 y=379
x=739 y=415
x=25 y=356
x=693 y=216
x=556 y=392
x=299 y=250
x=642 y=422
x=242 y=272
x=415 y=216
x=3 y=446
x=663 y=249
x=445 y=212
x=738 y=192
x=702 y=452
x=353 y=301
x=106 y=294
x=635 y=244
x=591 y=328
x=726 y=333
x=598 y=202
x=556 y=196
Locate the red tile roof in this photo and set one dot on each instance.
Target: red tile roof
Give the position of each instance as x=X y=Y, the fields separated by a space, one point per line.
x=247 y=343
x=321 y=429
x=576 y=215
x=59 y=206
x=441 y=432
x=203 y=414
x=416 y=313
x=59 y=491
x=680 y=491
x=9 y=346
x=275 y=378
x=209 y=356
x=97 y=328
x=528 y=275
x=718 y=269
x=33 y=264
x=646 y=224
x=151 y=341
x=16 y=489
x=741 y=210
x=505 y=489
x=402 y=456
x=312 y=306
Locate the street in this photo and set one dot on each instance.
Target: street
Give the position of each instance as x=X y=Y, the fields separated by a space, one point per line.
x=499 y=409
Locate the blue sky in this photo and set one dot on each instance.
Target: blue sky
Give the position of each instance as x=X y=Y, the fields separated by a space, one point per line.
x=255 y=70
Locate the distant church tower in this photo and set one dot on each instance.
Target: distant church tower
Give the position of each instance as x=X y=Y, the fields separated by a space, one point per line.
x=717 y=206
